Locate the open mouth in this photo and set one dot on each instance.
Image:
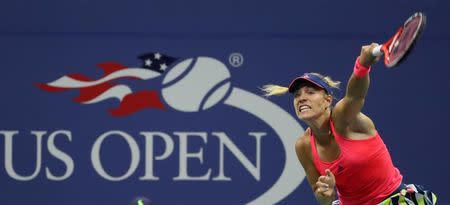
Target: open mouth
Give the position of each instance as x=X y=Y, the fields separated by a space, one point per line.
x=304 y=108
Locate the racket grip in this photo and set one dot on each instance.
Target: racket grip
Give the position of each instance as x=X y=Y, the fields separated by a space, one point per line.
x=377 y=51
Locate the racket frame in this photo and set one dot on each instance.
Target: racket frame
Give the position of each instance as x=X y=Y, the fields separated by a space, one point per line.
x=389 y=45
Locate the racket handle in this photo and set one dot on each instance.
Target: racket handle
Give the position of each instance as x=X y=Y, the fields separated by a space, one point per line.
x=377 y=51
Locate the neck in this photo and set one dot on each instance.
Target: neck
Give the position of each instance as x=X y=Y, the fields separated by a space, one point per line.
x=321 y=127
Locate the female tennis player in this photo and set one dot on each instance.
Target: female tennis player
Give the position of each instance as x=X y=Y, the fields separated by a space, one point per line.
x=342 y=153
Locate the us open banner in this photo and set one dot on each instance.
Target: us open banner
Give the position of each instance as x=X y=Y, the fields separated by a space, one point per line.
x=163 y=125
x=160 y=102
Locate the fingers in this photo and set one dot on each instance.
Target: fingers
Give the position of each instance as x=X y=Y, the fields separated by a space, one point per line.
x=322 y=187
x=328 y=178
x=366 y=57
x=325 y=181
x=367 y=49
x=325 y=184
x=370 y=47
x=373 y=45
x=322 y=179
x=329 y=174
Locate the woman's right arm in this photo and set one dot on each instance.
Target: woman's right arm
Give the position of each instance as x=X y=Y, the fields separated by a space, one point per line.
x=323 y=189
x=347 y=109
x=347 y=112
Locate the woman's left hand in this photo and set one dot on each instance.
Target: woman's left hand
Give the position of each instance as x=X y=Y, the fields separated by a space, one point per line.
x=325 y=184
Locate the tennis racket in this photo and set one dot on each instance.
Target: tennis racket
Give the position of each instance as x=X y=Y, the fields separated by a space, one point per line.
x=397 y=48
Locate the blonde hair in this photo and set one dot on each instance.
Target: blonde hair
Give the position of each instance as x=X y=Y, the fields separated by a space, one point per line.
x=271 y=89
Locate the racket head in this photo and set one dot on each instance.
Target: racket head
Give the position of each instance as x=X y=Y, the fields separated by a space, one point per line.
x=400 y=45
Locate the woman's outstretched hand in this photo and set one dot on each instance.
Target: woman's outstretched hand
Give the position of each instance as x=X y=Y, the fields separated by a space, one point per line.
x=366 y=58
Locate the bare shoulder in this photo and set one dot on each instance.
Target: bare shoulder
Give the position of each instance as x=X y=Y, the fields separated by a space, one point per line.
x=360 y=127
x=303 y=145
x=362 y=124
x=304 y=154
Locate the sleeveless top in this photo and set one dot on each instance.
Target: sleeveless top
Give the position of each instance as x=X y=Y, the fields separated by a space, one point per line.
x=364 y=172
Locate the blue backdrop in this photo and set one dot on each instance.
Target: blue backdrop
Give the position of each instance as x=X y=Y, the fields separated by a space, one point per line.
x=204 y=134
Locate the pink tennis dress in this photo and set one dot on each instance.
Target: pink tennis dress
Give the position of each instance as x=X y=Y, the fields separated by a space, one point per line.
x=364 y=172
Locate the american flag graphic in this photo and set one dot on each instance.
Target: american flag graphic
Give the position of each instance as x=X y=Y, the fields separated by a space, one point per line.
x=98 y=90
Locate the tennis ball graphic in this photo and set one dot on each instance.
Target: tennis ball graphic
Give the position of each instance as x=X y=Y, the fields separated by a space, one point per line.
x=196 y=84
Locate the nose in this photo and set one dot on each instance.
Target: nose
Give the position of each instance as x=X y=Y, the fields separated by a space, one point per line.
x=300 y=98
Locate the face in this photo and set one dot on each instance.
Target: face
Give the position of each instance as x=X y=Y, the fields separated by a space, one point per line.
x=310 y=102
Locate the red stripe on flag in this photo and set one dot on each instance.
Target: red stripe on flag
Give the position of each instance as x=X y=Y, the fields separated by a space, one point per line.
x=135 y=102
x=49 y=88
x=79 y=77
x=89 y=93
x=110 y=67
